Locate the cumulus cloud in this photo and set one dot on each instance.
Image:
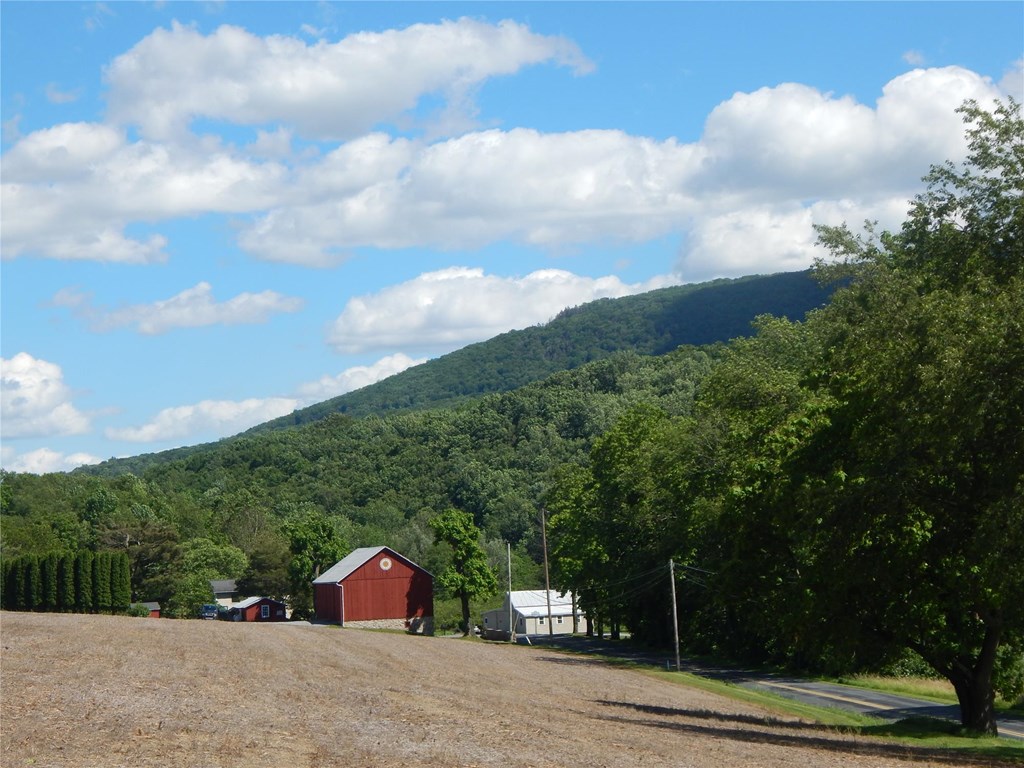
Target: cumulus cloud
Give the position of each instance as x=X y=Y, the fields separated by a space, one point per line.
x=43 y=460
x=214 y=419
x=192 y=308
x=210 y=418
x=1012 y=82
x=449 y=308
x=799 y=142
x=324 y=90
x=788 y=145
x=69 y=191
x=356 y=377
x=521 y=185
x=35 y=400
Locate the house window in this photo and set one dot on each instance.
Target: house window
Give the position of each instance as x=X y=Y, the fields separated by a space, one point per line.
x=559 y=619
x=264 y=611
x=541 y=621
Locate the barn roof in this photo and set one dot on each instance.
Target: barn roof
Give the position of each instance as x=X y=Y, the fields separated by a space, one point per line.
x=534 y=602
x=354 y=560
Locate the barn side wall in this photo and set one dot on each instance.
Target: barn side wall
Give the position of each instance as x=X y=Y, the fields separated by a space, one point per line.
x=399 y=591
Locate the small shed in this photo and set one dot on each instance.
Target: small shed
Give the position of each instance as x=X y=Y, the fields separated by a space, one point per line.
x=529 y=612
x=259 y=609
x=153 y=608
x=376 y=587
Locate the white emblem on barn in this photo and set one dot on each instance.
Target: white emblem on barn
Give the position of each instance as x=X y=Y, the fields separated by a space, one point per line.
x=385 y=563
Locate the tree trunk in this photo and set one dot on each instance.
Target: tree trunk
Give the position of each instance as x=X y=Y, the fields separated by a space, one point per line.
x=464 y=598
x=977 y=703
x=973 y=686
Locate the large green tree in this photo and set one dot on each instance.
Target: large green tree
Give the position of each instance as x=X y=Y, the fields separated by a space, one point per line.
x=468 y=575
x=912 y=487
x=315 y=546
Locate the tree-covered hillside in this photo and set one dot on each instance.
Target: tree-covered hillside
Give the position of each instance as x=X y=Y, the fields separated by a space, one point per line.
x=340 y=481
x=652 y=323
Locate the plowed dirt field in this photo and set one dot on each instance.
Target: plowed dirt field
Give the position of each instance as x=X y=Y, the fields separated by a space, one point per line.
x=112 y=691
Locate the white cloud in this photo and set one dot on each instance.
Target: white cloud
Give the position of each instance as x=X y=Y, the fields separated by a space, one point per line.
x=450 y=308
x=356 y=377
x=192 y=308
x=212 y=418
x=35 y=400
x=522 y=185
x=55 y=95
x=796 y=142
x=69 y=191
x=1013 y=81
x=914 y=58
x=774 y=237
x=324 y=90
x=43 y=460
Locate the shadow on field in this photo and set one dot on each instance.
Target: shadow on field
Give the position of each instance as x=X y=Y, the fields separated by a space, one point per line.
x=805 y=739
x=705 y=714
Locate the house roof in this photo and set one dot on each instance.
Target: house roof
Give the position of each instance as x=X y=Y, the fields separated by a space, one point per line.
x=534 y=602
x=249 y=601
x=223 y=585
x=354 y=560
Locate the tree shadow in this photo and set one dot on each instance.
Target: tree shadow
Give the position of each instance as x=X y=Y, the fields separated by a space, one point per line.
x=794 y=734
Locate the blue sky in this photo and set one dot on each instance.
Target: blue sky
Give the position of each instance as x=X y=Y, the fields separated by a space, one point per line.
x=215 y=213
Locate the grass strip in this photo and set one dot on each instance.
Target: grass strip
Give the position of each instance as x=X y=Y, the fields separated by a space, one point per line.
x=925 y=733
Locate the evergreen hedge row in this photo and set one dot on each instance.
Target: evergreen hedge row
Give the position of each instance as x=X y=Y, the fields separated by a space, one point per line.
x=80 y=582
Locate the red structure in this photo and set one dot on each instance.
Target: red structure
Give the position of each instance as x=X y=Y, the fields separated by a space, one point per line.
x=376 y=587
x=260 y=609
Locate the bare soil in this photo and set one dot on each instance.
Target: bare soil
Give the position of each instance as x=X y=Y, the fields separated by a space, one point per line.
x=115 y=691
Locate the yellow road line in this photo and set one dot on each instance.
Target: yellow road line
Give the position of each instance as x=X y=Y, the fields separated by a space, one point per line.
x=824 y=695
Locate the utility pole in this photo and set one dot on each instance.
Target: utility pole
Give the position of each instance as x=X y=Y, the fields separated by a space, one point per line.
x=511 y=629
x=675 y=615
x=547 y=580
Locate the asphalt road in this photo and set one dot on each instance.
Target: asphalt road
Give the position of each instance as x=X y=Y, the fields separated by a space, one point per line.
x=885 y=706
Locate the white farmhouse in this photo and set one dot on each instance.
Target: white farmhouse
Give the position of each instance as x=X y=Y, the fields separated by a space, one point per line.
x=529 y=614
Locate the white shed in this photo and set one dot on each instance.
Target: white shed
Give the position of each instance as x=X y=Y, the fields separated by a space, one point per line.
x=530 y=615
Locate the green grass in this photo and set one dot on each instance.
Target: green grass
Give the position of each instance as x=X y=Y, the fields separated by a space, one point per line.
x=923 y=688
x=929 y=735
x=921 y=733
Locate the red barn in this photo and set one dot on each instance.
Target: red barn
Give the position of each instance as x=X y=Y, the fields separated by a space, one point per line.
x=259 y=609
x=376 y=587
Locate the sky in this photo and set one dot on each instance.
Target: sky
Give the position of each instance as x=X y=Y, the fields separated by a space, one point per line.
x=216 y=213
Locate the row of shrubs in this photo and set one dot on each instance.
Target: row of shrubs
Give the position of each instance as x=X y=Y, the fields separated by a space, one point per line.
x=80 y=582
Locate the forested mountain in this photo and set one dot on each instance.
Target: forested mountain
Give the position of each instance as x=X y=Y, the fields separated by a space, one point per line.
x=651 y=323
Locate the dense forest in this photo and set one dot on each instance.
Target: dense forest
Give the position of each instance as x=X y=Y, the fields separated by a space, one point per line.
x=838 y=491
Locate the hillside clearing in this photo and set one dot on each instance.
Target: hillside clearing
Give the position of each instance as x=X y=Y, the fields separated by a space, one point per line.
x=116 y=691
